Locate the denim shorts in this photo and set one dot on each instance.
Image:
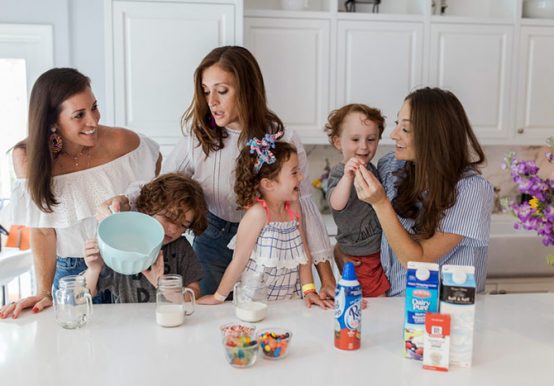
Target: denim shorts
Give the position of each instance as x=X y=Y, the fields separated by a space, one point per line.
x=212 y=252
x=66 y=266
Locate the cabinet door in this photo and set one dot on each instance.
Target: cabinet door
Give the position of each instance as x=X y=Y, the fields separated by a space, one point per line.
x=294 y=58
x=535 y=109
x=157 y=46
x=378 y=64
x=474 y=62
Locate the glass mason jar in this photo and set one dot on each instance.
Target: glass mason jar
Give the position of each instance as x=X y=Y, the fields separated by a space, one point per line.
x=250 y=297
x=172 y=301
x=73 y=302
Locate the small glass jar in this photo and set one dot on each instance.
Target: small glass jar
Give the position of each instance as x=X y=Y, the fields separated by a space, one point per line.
x=250 y=297
x=73 y=302
x=172 y=301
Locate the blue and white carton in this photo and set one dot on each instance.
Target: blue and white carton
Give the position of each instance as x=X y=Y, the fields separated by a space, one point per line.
x=422 y=296
x=458 y=299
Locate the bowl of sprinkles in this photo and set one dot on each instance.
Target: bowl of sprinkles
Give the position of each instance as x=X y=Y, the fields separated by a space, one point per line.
x=274 y=342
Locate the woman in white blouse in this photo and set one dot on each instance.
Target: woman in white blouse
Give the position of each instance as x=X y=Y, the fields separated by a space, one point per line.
x=68 y=165
x=228 y=108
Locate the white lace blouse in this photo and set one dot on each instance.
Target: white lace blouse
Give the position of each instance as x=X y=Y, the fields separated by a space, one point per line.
x=215 y=174
x=80 y=193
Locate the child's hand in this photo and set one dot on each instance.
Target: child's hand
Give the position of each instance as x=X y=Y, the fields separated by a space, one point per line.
x=208 y=300
x=314 y=299
x=327 y=294
x=93 y=259
x=155 y=271
x=351 y=166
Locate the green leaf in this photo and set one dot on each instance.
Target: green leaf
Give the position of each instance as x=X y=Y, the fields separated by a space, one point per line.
x=550 y=259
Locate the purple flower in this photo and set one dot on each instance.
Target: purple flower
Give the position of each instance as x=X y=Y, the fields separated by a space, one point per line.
x=540 y=215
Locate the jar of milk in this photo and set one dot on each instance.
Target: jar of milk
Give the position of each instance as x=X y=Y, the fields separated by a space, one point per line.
x=173 y=302
x=250 y=297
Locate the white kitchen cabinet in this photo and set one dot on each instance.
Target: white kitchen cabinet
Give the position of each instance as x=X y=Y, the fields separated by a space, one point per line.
x=474 y=61
x=378 y=63
x=154 y=48
x=535 y=102
x=294 y=58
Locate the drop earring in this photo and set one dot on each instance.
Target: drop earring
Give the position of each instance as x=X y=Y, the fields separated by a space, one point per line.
x=55 y=142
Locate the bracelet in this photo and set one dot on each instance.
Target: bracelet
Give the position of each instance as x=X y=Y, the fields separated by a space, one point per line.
x=310 y=291
x=48 y=294
x=308 y=287
x=219 y=297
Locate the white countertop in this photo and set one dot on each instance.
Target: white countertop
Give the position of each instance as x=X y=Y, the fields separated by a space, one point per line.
x=122 y=345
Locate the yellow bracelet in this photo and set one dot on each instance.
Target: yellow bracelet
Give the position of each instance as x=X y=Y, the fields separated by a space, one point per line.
x=308 y=287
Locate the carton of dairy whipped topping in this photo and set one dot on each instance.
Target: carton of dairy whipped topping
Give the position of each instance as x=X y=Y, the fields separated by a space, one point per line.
x=422 y=296
x=458 y=299
x=436 y=342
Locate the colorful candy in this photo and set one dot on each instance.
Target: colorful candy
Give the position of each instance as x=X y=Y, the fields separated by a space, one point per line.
x=240 y=345
x=274 y=343
x=237 y=329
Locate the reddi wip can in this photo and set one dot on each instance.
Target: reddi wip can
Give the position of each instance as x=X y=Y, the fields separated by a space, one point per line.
x=348 y=310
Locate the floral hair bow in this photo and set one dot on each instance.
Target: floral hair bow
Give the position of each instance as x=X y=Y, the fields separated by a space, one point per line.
x=262 y=148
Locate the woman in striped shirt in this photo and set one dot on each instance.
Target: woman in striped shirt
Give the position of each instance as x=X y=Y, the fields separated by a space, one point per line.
x=433 y=204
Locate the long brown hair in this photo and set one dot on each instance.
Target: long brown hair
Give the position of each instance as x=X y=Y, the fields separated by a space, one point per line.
x=247 y=181
x=446 y=147
x=49 y=92
x=173 y=195
x=254 y=115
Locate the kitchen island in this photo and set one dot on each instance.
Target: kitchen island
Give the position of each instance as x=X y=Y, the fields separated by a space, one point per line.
x=123 y=345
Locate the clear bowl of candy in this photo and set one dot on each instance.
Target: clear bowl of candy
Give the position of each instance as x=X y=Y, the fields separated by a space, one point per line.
x=240 y=344
x=274 y=342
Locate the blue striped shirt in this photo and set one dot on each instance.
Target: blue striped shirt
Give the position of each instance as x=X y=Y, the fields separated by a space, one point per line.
x=470 y=217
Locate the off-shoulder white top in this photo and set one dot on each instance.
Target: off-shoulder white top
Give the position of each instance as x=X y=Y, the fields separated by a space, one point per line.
x=80 y=193
x=216 y=175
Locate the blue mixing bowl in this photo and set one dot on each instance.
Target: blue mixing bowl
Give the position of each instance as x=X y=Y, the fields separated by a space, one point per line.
x=129 y=242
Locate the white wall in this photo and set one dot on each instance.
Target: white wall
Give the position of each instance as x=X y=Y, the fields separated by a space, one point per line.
x=78 y=32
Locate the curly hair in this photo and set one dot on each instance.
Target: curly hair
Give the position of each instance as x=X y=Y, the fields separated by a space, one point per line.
x=247 y=185
x=173 y=195
x=446 y=147
x=336 y=117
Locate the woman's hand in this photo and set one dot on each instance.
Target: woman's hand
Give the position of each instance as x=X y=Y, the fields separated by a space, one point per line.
x=93 y=259
x=155 y=271
x=37 y=302
x=208 y=300
x=368 y=187
x=115 y=204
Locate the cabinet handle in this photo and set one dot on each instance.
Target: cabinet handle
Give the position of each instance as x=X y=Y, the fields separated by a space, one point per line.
x=520 y=131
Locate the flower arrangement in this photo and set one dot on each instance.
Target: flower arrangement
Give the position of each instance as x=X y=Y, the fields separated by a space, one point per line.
x=536 y=209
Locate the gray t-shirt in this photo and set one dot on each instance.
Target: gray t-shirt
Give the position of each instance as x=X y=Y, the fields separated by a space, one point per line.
x=179 y=258
x=358 y=230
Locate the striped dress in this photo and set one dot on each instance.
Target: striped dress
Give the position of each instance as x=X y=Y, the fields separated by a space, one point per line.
x=278 y=253
x=470 y=217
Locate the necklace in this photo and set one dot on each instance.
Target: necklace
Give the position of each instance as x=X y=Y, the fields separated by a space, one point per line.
x=77 y=157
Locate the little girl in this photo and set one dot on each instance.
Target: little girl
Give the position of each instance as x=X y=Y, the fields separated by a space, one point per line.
x=270 y=240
